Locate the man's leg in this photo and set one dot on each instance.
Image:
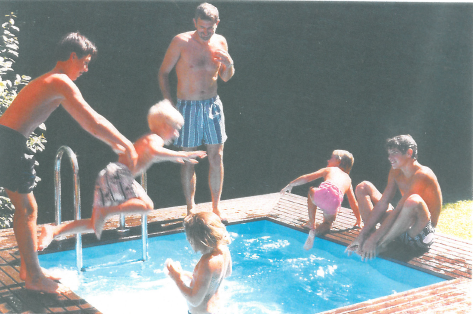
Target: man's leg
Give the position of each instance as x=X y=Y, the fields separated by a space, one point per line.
x=215 y=156
x=24 y=226
x=188 y=181
x=367 y=196
x=413 y=217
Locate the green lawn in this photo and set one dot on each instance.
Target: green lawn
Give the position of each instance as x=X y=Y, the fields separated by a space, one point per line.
x=456 y=219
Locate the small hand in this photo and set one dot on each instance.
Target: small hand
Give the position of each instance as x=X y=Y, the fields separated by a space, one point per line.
x=286 y=189
x=358 y=223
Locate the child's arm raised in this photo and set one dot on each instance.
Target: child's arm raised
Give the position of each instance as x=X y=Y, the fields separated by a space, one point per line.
x=304 y=179
x=160 y=153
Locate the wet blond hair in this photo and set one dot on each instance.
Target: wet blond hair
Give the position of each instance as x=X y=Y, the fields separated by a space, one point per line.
x=164 y=112
x=206 y=231
x=346 y=159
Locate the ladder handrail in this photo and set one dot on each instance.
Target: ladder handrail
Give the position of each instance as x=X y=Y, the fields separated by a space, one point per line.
x=77 y=209
x=57 y=192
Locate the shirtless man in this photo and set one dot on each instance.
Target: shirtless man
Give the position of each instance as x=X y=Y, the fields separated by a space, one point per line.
x=200 y=57
x=415 y=217
x=32 y=106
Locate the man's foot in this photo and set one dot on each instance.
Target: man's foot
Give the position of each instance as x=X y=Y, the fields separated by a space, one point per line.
x=46 y=273
x=308 y=225
x=98 y=221
x=222 y=216
x=46 y=237
x=45 y=285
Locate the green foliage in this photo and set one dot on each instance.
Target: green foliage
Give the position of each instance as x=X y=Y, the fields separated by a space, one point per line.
x=10 y=82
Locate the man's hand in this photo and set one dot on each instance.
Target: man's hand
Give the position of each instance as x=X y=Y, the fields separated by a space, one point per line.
x=222 y=56
x=369 y=249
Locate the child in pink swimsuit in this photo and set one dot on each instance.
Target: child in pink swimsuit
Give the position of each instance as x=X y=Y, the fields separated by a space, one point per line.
x=329 y=195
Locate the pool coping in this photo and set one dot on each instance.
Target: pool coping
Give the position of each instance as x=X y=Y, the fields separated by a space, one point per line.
x=449 y=258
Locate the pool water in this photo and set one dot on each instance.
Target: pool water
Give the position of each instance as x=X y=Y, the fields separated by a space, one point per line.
x=272 y=273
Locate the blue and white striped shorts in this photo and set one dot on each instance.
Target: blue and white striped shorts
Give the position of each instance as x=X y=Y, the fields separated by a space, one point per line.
x=204 y=122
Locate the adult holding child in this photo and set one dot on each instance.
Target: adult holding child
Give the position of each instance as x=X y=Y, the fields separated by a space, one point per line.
x=32 y=106
x=199 y=58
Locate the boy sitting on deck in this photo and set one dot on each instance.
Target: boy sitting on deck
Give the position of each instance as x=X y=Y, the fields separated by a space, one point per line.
x=116 y=190
x=206 y=234
x=329 y=195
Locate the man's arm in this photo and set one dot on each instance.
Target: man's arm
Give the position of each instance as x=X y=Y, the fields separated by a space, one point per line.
x=91 y=121
x=170 y=59
x=227 y=68
x=376 y=214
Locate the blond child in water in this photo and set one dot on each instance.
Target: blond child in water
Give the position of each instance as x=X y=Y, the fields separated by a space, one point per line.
x=206 y=234
x=116 y=190
x=329 y=195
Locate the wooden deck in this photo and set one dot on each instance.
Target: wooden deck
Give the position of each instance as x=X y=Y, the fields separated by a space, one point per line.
x=448 y=257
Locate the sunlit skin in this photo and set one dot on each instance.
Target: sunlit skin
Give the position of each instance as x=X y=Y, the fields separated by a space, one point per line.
x=150 y=149
x=332 y=173
x=421 y=200
x=32 y=106
x=199 y=57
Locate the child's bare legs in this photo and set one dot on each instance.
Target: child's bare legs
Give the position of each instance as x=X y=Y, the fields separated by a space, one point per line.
x=24 y=226
x=49 y=232
x=312 y=209
x=132 y=206
x=325 y=226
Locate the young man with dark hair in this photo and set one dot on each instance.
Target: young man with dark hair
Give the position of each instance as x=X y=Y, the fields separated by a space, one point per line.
x=415 y=217
x=32 y=106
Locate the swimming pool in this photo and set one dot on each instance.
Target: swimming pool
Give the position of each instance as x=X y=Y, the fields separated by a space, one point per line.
x=271 y=274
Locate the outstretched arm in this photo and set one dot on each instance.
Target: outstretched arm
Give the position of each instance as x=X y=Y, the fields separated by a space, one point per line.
x=377 y=213
x=91 y=121
x=304 y=179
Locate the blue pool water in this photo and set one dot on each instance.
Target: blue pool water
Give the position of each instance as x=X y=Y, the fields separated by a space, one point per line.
x=272 y=274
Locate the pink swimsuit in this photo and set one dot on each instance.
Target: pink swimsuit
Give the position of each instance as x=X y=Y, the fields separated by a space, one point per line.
x=327 y=197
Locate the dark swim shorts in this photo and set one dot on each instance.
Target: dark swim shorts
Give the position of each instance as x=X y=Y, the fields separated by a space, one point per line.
x=421 y=242
x=17 y=162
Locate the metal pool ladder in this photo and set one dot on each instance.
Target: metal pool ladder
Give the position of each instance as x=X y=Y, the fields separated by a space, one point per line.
x=77 y=210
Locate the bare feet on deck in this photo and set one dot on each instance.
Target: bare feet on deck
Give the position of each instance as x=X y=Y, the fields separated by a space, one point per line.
x=308 y=225
x=98 y=221
x=222 y=216
x=44 y=284
x=45 y=273
x=46 y=237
